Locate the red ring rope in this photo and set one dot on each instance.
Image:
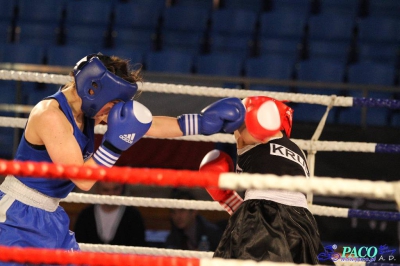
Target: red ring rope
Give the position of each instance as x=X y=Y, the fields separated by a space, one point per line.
x=144 y=176
x=57 y=256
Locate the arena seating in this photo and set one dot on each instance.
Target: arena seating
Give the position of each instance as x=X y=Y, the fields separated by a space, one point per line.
x=259 y=39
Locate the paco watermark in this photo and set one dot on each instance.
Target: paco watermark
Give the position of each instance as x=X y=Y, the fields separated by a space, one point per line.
x=363 y=253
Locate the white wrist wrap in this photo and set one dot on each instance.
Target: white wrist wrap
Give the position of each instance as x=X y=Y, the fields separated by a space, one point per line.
x=105 y=157
x=190 y=125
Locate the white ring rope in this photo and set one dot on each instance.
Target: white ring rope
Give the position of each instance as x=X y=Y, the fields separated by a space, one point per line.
x=34 y=77
x=143 y=202
x=188 y=89
x=180 y=204
x=318 y=185
x=227 y=138
x=145 y=251
x=224 y=92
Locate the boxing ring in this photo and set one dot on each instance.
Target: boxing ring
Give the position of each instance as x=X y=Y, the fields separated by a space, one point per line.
x=121 y=255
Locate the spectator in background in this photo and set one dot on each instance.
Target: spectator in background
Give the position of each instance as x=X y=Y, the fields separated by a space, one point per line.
x=110 y=224
x=189 y=230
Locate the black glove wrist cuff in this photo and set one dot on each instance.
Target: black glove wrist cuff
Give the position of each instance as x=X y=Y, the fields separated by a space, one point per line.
x=111 y=147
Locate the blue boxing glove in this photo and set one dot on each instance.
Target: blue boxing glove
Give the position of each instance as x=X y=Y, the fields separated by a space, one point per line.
x=225 y=115
x=127 y=123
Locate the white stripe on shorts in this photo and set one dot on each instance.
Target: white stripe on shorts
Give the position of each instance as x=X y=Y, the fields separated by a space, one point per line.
x=5 y=204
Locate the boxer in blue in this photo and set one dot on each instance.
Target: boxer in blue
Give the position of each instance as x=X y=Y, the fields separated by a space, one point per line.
x=60 y=129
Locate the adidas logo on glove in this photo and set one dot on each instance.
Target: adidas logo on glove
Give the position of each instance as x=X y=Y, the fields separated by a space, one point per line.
x=127 y=138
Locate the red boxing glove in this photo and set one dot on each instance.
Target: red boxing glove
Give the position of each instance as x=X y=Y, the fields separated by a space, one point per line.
x=219 y=161
x=266 y=116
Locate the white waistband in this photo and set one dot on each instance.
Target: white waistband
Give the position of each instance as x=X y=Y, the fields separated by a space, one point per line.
x=291 y=198
x=14 y=188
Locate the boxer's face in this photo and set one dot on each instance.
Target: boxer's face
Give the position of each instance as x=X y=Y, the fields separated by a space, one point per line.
x=102 y=115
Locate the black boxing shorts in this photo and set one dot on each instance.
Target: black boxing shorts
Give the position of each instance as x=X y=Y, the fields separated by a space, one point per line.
x=263 y=230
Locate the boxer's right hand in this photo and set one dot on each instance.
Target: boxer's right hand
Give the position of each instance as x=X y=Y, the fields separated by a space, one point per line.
x=126 y=124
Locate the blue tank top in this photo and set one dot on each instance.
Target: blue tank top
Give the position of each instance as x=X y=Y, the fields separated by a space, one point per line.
x=58 y=188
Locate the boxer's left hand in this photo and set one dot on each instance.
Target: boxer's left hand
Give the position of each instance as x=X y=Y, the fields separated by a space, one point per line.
x=127 y=123
x=221 y=162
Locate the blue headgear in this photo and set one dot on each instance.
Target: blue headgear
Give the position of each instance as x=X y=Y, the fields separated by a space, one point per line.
x=98 y=86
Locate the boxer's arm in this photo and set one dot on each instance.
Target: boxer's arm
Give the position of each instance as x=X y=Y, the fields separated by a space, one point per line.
x=224 y=115
x=164 y=127
x=49 y=126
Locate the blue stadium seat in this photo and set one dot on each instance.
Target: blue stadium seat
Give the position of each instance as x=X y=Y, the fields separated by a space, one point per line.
x=218 y=64
x=283 y=24
x=379 y=53
x=318 y=70
x=23 y=53
x=35 y=94
x=139 y=16
x=141 y=39
x=344 y=7
x=252 y=5
x=321 y=70
x=8 y=95
x=331 y=27
x=156 y=4
x=184 y=28
x=7 y=143
x=8 y=91
x=379 y=30
x=276 y=46
x=379 y=116
x=190 y=42
x=384 y=8
x=395 y=120
x=350 y=115
x=270 y=67
x=303 y=7
x=90 y=12
x=185 y=18
x=67 y=55
x=238 y=45
x=5 y=31
x=338 y=51
x=230 y=24
x=7 y=10
x=373 y=74
x=135 y=56
x=86 y=35
x=233 y=21
x=44 y=34
x=209 y=4
x=40 y=11
x=169 y=62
